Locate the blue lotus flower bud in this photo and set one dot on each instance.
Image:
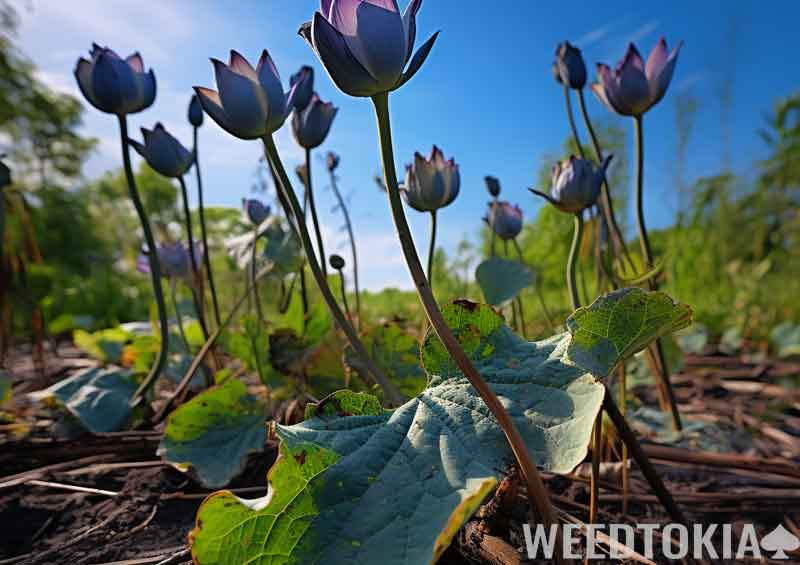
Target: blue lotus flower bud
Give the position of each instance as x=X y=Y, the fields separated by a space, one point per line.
x=195 y=113
x=431 y=183
x=492 y=185
x=303 y=83
x=5 y=175
x=311 y=126
x=336 y=262
x=173 y=260
x=251 y=102
x=115 y=85
x=165 y=154
x=504 y=219
x=365 y=45
x=570 y=66
x=255 y=211
x=332 y=160
x=576 y=184
x=633 y=87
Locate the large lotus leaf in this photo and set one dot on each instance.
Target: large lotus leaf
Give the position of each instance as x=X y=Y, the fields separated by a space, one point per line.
x=501 y=279
x=619 y=324
x=105 y=345
x=98 y=397
x=396 y=351
x=393 y=487
x=213 y=433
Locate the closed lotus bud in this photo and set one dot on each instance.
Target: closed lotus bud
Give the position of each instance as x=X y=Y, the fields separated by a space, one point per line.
x=311 y=125
x=505 y=219
x=332 y=160
x=195 y=112
x=165 y=154
x=251 y=102
x=634 y=87
x=5 y=175
x=173 y=260
x=366 y=45
x=255 y=211
x=492 y=185
x=431 y=183
x=302 y=173
x=576 y=184
x=570 y=66
x=115 y=85
x=303 y=83
x=556 y=73
x=336 y=262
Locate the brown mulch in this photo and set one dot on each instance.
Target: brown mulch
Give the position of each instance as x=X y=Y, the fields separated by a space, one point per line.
x=139 y=511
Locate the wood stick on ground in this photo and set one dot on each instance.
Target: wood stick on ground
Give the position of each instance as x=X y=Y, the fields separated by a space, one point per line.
x=73 y=488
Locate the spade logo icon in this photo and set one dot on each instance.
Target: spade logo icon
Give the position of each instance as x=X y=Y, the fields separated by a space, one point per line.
x=780 y=540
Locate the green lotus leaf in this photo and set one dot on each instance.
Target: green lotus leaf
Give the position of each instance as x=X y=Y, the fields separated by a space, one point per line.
x=502 y=280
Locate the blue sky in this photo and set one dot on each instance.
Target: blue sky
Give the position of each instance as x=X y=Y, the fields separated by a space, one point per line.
x=485 y=95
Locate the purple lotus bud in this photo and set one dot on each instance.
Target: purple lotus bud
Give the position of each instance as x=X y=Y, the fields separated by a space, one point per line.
x=365 y=45
x=336 y=262
x=570 y=66
x=173 y=260
x=5 y=175
x=431 y=183
x=255 y=211
x=505 y=219
x=303 y=83
x=251 y=102
x=633 y=87
x=332 y=160
x=311 y=126
x=195 y=113
x=115 y=85
x=576 y=184
x=492 y=185
x=163 y=152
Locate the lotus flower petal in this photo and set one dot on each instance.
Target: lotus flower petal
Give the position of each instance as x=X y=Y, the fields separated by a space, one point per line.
x=660 y=82
x=410 y=25
x=417 y=60
x=270 y=81
x=209 y=100
x=135 y=62
x=83 y=74
x=245 y=102
x=113 y=84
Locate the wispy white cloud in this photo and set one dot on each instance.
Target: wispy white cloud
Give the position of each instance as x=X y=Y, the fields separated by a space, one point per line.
x=691 y=80
x=591 y=37
x=643 y=31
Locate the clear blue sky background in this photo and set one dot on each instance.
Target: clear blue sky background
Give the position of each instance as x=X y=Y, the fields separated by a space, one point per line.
x=485 y=95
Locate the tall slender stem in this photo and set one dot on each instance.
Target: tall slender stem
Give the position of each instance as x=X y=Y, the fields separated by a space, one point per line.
x=536 y=490
x=492 y=250
x=514 y=303
x=390 y=390
x=155 y=267
x=199 y=302
x=577 y=237
x=256 y=294
x=432 y=248
x=622 y=392
x=662 y=371
x=343 y=284
x=594 y=485
x=605 y=194
x=349 y=226
x=537 y=288
x=571 y=118
x=323 y=259
x=178 y=316
x=203 y=234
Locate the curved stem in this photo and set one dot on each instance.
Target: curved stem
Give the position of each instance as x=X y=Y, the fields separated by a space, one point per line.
x=178 y=317
x=542 y=303
x=515 y=302
x=392 y=394
x=314 y=218
x=577 y=236
x=594 y=479
x=605 y=194
x=198 y=299
x=571 y=118
x=432 y=249
x=536 y=490
x=344 y=296
x=256 y=295
x=155 y=267
x=349 y=226
x=203 y=233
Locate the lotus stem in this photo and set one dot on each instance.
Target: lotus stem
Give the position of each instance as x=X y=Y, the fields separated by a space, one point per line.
x=314 y=218
x=571 y=118
x=178 y=316
x=537 y=492
x=662 y=369
x=623 y=401
x=349 y=226
x=256 y=295
x=155 y=267
x=594 y=484
x=390 y=390
x=607 y=204
x=203 y=234
x=492 y=250
x=432 y=248
x=538 y=290
x=199 y=305
x=577 y=237
x=344 y=295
